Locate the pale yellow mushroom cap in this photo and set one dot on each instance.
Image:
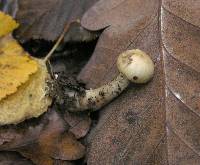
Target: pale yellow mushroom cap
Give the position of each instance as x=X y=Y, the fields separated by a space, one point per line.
x=136 y=65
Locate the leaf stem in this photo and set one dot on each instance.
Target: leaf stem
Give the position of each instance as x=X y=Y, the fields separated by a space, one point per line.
x=56 y=44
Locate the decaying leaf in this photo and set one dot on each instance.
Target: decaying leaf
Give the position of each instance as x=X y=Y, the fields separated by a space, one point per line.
x=29 y=101
x=43 y=141
x=15 y=66
x=11 y=158
x=157 y=123
x=9 y=46
x=79 y=123
x=23 y=87
x=7 y=24
x=47 y=19
x=9 y=6
x=51 y=147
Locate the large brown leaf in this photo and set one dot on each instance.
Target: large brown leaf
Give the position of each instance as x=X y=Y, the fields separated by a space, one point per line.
x=10 y=158
x=46 y=19
x=157 y=123
x=9 y=6
x=43 y=140
x=79 y=123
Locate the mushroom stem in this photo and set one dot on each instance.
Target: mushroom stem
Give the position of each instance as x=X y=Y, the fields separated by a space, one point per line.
x=134 y=66
x=94 y=99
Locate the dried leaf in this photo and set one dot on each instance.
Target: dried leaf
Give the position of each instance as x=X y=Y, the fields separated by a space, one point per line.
x=9 y=46
x=29 y=101
x=22 y=81
x=15 y=66
x=47 y=19
x=10 y=158
x=79 y=123
x=7 y=24
x=62 y=162
x=42 y=141
x=9 y=6
x=157 y=123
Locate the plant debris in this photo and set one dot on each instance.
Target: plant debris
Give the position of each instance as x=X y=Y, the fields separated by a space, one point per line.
x=153 y=124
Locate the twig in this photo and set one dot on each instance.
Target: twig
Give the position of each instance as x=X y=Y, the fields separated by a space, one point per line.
x=56 y=44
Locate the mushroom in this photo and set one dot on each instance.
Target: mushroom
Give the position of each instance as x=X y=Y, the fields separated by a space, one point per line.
x=134 y=66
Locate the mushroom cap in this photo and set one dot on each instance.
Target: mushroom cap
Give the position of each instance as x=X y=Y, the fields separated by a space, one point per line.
x=136 y=65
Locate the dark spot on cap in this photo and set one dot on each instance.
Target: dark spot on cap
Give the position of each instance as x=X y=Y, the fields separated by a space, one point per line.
x=135 y=78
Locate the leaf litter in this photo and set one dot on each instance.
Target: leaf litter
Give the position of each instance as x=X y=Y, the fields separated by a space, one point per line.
x=23 y=79
x=158 y=123
x=15 y=135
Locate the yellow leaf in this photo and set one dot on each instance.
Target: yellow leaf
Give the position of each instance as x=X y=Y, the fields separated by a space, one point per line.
x=7 y=24
x=23 y=87
x=15 y=68
x=9 y=46
x=29 y=101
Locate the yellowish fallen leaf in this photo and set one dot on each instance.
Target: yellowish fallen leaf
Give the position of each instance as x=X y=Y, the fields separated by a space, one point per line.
x=30 y=100
x=7 y=24
x=15 y=66
x=23 y=87
x=9 y=46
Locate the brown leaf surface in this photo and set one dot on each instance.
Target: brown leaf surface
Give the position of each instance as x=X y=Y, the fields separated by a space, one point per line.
x=158 y=123
x=12 y=158
x=42 y=140
x=79 y=123
x=9 y=6
x=47 y=19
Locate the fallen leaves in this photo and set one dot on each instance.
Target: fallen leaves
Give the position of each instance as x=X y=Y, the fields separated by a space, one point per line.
x=7 y=24
x=53 y=143
x=153 y=124
x=43 y=141
x=9 y=6
x=48 y=19
x=24 y=95
x=23 y=88
x=29 y=101
x=157 y=123
x=15 y=66
x=79 y=124
x=9 y=158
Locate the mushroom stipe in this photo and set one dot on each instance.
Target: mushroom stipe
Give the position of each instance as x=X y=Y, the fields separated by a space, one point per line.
x=134 y=66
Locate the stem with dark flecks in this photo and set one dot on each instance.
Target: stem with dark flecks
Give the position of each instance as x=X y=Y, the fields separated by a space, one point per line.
x=94 y=99
x=134 y=66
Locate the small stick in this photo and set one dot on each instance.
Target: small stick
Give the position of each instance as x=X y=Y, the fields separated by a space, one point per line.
x=56 y=44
